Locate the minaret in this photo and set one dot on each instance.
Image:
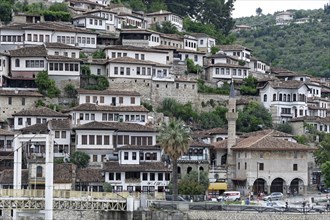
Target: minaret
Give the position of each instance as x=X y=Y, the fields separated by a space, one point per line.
x=231 y=141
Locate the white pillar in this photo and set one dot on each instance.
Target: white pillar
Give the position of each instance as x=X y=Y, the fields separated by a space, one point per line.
x=130 y=204
x=17 y=163
x=49 y=177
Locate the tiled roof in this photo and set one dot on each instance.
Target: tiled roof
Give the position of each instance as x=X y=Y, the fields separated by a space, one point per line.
x=189 y=51
x=261 y=141
x=7 y=177
x=86 y=2
x=142 y=167
x=20 y=93
x=194 y=143
x=42 y=111
x=62 y=58
x=36 y=128
x=60 y=124
x=312 y=119
x=48 y=26
x=220 y=144
x=108 y=92
x=87 y=175
x=63 y=173
x=94 y=107
x=61 y=46
x=43 y=127
x=272 y=133
x=223 y=55
x=137 y=30
x=139 y=147
x=128 y=60
x=37 y=51
x=232 y=47
x=290 y=84
x=95 y=61
x=133 y=48
x=313 y=107
x=227 y=65
x=163 y=47
x=4 y=132
x=172 y=36
x=120 y=126
x=85 y=15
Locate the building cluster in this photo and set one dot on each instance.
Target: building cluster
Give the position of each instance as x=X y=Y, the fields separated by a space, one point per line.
x=119 y=133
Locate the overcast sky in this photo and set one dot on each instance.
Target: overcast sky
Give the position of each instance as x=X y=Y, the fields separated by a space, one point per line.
x=246 y=8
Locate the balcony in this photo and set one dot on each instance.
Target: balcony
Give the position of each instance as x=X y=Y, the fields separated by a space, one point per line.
x=194 y=157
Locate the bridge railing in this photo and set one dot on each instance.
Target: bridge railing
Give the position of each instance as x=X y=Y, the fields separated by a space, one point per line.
x=62 y=194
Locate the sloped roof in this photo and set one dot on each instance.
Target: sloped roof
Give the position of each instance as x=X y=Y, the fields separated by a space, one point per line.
x=227 y=65
x=20 y=93
x=133 y=48
x=63 y=173
x=63 y=58
x=312 y=119
x=120 y=126
x=36 y=128
x=220 y=144
x=108 y=92
x=139 y=147
x=37 y=51
x=194 y=143
x=94 y=107
x=7 y=177
x=61 y=46
x=4 y=132
x=128 y=60
x=289 y=84
x=233 y=47
x=41 y=111
x=143 y=166
x=180 y=50
x=88 y=175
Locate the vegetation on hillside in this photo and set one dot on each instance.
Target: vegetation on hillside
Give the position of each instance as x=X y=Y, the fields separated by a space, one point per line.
x=297 y=47
x=47 y=86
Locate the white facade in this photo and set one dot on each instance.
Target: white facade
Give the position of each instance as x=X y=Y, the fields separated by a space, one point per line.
x=283 y=102
x=161 y=16
x=195 y=56
x=90 y=22
x=108 y=16
x=25 y=121
x=4 y=67
x=227 y=71
x=284 y=18
x=205 y=43
x=108 y=99
x=27 y=67
x=190 y=43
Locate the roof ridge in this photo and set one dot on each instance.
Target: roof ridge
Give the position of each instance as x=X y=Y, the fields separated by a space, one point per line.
x=262 y=137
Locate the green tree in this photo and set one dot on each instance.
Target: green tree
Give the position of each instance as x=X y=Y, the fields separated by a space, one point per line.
x=107 y=187
x=137 y=5
x=79 y=158
x=249 y=86
x=259 y=11
x=46 y=86
x=322 y=154
x=325 y=169
x=59 y=7
x=157 y=5
x=100 y=54
x=213 y=119
x=189 y=184
x=167 y=28
x=254 y=117
x=173 y=139
x=5 y=11
x=286 y=128
x=70 y=90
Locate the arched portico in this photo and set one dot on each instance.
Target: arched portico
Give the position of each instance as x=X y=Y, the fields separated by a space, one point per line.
x=259 y=186
x=297 y=186
x=277 y=185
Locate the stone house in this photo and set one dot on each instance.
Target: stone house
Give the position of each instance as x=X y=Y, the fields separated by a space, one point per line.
x=271 y=161
x=15 y=101
x=224 y=71
x=160 y=16
x=111 y=21
x=90 y=21
x=172 y=40
x=6 y=149
x=258 y=65
x=4 y=68
x=321 y=124
x=238 y=51
x=284 y=18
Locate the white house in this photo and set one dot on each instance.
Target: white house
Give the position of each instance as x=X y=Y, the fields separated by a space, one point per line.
x=34 y=116
x=284 y=18
x=138 y=53
x=285 y=99
x=318 y=106
x=139 y=37
x=194 y=55
x=226 y=71
x=160 y=16
x=258 y=65
x=108 y=15
x=90 y=21
x=190 y=42
x=131 y=20
x=205 y=42
x=4 y=68
x=126 y=67
x=60 y=49
x=239 y=51
x=103 y=138
x=321 y=124
x=109 y=97
x=88 y=112
x=172 y=40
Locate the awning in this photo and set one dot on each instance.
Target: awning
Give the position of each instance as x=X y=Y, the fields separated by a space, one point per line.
x=217 y=186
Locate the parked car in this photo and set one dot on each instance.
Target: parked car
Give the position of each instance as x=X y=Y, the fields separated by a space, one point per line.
x=230 y=196
x=326 y=190
x=275 y=204
x=274 y=196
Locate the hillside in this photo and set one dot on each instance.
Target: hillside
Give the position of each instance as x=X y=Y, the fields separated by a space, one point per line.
x=297 y=47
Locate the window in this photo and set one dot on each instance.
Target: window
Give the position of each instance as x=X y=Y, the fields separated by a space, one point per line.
x=128 y=71
x=134 y=156
x=39 y=171
x=99 y=139
x=91 y=139
x=239 y=165
x=137 y=56
x=245 y=165
x=125 y=155
x=295 y=167
x=121 y=70
x=17 y=63
x=20 y=121
x=90 y=21
x=57 y=134
x=145 y=176
x=106 y=140
x=116 y=71
x=261 y=166
x=132 y=100
x=121 y=100
x=87 y=99
x=63 y=134
x=118 y=176
x=160 y=176
x=23 y=101
x=98 y=71
x=142 y=56
x=152 y=176
x=265 y=98
x=101 y=99
x=111 y=176
x=138 y=70
x=10 y=100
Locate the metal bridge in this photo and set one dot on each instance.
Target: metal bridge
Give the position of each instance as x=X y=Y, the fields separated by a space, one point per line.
x=29 y=199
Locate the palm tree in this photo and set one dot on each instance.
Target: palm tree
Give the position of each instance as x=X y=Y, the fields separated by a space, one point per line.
x=174 y=139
